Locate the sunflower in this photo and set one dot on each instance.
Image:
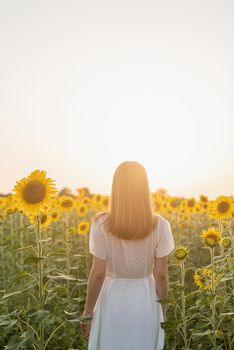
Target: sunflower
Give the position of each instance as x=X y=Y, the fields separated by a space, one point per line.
x=159 y=203
x=83 y=227
x=210 y=210
x=34 y=193
x=203 y=203
x=204 y=206
x=198 y=208
x=71 y=231
x=203 y=199
x=83 y=191
x=82 y=210
x=10 y=209
x=190 y=204
x=223 y=207
x=66 y=203
x=174 y=203
x=226 y=242
x=54 y=215
x=203 y=278
x=105 y=201
x=97 y=198
x=211 y=237
x=181 y=253
x=96 y=202
x=86 y=200
x=45 y=219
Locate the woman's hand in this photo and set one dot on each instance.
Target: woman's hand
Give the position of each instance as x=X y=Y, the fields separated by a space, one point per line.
x=164 y=310
x=86 y=325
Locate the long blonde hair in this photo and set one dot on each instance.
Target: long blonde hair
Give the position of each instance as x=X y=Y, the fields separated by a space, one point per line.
x=131 y=208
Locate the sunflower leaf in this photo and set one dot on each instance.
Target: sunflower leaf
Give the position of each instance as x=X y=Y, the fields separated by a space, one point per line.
x=33 y=260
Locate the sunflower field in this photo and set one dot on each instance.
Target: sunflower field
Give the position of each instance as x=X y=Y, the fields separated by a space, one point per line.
x=45 y=263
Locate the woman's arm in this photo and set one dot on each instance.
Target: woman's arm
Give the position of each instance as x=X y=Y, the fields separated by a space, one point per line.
x=93 y=290
x=160 y=273
x=95 y=281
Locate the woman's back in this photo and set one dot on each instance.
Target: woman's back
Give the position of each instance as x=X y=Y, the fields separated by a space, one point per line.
x=130 y=258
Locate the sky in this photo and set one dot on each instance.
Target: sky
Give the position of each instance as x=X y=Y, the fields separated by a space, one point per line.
x=86 y=85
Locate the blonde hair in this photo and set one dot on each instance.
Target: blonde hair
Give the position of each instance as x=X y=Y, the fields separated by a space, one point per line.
x=131 y=208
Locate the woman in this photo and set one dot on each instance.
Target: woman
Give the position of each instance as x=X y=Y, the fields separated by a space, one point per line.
x=130 y=246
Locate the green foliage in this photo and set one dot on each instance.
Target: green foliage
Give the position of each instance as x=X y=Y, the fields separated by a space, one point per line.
x=66 y=263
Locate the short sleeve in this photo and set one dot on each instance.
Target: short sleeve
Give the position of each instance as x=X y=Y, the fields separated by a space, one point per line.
x=166 y=240
x=97 y=243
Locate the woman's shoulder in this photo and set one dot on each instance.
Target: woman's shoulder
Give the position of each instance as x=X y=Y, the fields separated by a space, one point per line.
x=161 y=219
x=100 y=217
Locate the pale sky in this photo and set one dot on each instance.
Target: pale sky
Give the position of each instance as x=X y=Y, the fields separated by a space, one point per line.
x=87 y=84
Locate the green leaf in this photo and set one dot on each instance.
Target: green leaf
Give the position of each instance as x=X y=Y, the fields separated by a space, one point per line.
x=82 y=281
x=20 y=275
x=169 y=324
x=202 y=334
x=37 y=316
x=31 y=227
x=80 y=255
x=23 y=248
x=79 y=299
x=57 y=253
x=60 y=290
x=8 y=323
x=33 y=260
x=227 y=314
x=80 y=319
x=5 y=296
x=44 y=240
x=63 y=277
x=70 y=313
x=23 y=341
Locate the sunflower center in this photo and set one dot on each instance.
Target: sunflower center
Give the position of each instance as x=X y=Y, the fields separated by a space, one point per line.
x=223 y=207
x=83 y=227
x=212 y=236
x=175 y=203
x=67 y=203
x=34 y=192
x=191 y=203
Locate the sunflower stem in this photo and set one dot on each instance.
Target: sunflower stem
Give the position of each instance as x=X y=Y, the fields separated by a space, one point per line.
x=2 y=253
x=231 y=250
x=68 y=238
x=183 y=303
x=221 y=231
x=41 y=291
x=21 y=225
x=213 y=298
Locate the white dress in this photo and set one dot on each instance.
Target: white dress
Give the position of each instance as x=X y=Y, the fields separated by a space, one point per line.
x=126 y=315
